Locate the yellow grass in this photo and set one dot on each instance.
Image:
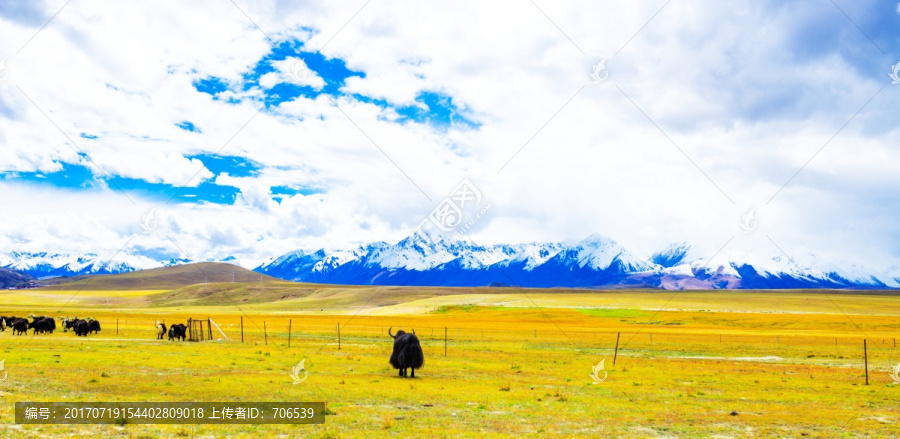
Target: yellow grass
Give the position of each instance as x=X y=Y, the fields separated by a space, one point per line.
x=43 y=298
x=788 y=364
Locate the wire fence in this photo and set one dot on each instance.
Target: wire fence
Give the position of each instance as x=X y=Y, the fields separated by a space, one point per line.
x=578 y=336
x=343 y=333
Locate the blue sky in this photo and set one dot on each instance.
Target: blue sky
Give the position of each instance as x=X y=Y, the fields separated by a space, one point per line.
x=259 y=137
x=431 y=108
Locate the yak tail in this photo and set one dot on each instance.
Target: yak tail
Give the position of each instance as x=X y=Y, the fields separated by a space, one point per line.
x=412 y=356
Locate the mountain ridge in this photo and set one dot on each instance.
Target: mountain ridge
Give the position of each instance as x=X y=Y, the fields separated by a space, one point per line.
x=432 y=259
x=428 y=259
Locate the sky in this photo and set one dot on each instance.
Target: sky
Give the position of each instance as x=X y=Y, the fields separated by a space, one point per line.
x=250 y=129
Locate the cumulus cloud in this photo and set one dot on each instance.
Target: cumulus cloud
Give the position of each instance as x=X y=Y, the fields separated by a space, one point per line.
x=292 y=70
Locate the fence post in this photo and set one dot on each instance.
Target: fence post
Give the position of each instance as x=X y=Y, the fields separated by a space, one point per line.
x=866 y=359
x=117 y=326
x=242 y=329
x=339 y=336
x=445 y=341
x=651 y=338
x=265 y=333
x=209 y=327
x=289 y=332
x=616 y=354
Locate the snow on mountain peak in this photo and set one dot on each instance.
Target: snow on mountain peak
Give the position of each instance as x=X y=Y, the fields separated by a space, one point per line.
x=431 y=258
x=672 y=255
x=599 y=252
x=422 y=250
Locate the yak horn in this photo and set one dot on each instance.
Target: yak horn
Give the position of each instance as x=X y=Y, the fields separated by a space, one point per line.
x=389 y=332
x=414 y=331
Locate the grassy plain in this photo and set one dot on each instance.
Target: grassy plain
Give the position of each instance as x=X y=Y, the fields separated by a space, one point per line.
x=691 y=364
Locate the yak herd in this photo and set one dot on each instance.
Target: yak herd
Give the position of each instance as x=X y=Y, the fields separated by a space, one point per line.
x=176 y=332
x=46 y=325
x=407 y=353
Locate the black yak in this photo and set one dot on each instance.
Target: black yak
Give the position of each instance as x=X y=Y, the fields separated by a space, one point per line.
x=82 y=328
x=177 y=332
x=94 y=326
x=40 y=326
x=20 y=327
x=43 y=324
x=52 y=323
x=160 y=330
x=407 y=352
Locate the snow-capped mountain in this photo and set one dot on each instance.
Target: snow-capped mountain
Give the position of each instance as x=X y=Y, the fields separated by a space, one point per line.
x=428 y=258
x=672 y=255
x=433 y=259
x=683 y=268
x=43 y=265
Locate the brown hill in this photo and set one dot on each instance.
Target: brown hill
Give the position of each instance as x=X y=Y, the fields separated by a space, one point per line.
x=165 y=278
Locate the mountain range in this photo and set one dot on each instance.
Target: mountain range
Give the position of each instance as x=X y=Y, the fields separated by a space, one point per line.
x=13 y=279
x=42 y=265
x=432 y=259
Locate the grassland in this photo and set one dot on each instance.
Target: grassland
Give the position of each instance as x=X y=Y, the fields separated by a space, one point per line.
x=692 y=364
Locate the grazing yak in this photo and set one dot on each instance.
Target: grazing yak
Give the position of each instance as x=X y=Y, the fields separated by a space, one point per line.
x=68 y=323
x=20 y=327
x=160 y=330
x=52 y=323
x=177 y=332
x=80 y=326
x=42 y=325
x=94 y=326
x=407 y=352
x=7 y=322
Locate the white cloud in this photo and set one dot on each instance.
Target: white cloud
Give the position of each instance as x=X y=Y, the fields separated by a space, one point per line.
x=749 y=112
x=292 y=70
